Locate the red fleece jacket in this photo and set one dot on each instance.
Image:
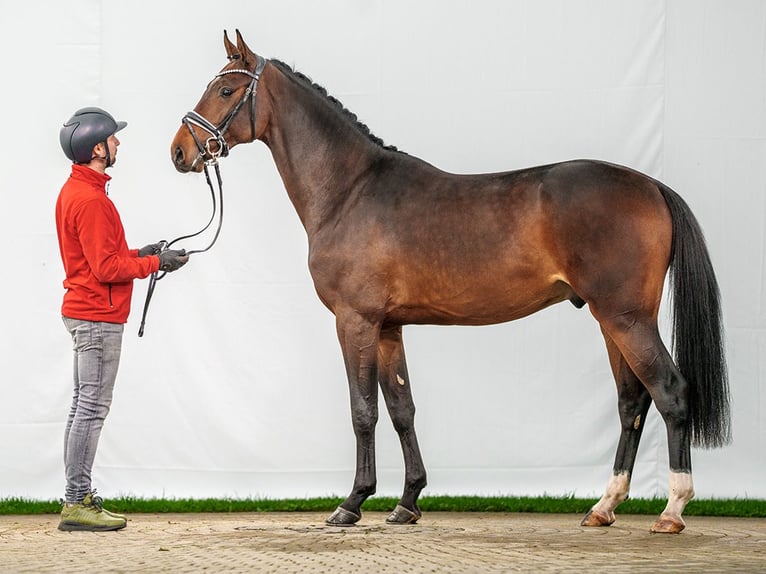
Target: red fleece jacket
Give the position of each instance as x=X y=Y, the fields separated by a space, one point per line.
x=99 y=266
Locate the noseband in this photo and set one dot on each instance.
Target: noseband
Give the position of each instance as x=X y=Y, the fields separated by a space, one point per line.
x=190 y=120
x=193 y=118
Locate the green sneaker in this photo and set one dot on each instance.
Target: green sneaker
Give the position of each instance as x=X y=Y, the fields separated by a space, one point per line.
x=89 y=515
x=97 y=501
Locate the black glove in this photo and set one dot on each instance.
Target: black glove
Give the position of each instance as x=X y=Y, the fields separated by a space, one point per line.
x=172 y=259
x=152 y=249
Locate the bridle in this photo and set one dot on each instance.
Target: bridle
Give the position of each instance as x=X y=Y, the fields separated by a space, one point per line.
x=193 y=118
x=190 y=120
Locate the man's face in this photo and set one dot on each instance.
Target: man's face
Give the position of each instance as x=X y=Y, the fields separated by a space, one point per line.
x=113 y=143
x=100 y=151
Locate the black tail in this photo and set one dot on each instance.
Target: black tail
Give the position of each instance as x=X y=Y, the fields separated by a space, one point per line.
x=698 y=343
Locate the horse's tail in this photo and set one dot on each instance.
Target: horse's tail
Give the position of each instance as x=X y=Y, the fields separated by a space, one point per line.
x=698 y=342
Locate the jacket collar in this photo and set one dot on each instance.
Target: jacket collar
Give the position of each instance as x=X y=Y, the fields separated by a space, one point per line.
x=84 y=173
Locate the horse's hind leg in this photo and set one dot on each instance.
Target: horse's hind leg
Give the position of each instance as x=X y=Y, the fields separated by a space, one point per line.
x=395 y=384
x=633 y=403
x=359 y=342
x=640 y=344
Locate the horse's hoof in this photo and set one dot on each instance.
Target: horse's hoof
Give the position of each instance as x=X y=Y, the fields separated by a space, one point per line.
x=342 y=517
x=597 y=518
x=402 y=515
x=667 y=524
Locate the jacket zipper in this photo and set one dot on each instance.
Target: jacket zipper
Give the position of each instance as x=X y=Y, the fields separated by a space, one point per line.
x=111 y=305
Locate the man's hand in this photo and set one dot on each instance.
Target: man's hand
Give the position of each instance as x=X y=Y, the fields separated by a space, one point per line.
x=152 y=249
x=172 y=259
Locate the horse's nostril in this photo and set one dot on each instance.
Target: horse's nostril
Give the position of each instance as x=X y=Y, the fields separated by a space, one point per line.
x=178 y=156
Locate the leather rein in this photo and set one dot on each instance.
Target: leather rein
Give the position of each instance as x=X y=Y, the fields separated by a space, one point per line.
x=191 y=120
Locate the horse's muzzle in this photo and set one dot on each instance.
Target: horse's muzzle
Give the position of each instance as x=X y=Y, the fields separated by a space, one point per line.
x=181 y=161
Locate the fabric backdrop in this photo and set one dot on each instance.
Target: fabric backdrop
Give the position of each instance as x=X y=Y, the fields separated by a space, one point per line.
x=238 y=389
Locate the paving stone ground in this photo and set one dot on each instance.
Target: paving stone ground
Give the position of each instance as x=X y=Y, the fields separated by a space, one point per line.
x=440 y=542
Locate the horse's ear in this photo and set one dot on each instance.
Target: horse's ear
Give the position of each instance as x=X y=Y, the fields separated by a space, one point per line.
x=247 y=54
x=231 y=50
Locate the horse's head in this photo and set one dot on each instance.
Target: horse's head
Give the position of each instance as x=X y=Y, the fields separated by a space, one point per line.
x=225 y=115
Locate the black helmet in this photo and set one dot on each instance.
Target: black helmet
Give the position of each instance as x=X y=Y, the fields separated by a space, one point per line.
x=86 y=128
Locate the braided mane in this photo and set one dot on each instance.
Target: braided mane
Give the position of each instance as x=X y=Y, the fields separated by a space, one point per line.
x=302 y=78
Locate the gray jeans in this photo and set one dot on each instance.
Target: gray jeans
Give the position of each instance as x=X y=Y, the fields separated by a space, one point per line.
x=97 y=348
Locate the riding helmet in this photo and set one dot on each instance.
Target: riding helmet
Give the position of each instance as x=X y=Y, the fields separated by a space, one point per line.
x=86 y=128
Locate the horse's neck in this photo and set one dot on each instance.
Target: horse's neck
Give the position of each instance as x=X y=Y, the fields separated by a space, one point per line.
x=318 y=152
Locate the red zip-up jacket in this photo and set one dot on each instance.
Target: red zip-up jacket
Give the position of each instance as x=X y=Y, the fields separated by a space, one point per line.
x=98 y=265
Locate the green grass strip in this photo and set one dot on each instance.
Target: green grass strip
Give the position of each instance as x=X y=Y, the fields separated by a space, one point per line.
x=750 y=508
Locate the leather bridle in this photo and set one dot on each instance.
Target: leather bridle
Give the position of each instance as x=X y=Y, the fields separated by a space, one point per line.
x=192 y=118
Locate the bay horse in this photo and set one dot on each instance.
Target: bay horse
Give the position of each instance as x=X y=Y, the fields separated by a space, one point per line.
x=393 y=240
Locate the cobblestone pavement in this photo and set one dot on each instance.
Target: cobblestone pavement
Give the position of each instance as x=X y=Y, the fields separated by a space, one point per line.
x=441 y=542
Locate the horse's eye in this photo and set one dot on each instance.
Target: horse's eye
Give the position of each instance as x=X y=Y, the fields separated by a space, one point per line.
x=226 y=92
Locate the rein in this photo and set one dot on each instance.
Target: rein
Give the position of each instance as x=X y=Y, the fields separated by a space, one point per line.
x=190 y=120
x=165 y=245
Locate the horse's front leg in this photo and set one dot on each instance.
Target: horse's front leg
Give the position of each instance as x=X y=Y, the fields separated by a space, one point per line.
x=359 y=342
x=395 y=384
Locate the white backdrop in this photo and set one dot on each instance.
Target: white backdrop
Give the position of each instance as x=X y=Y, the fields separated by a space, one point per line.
x=238 y=387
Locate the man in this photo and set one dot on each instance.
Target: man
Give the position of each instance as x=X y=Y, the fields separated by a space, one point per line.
x=99 y=272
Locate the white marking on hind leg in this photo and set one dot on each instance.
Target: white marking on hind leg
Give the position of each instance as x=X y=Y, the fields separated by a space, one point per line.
x=681 y=491
x=602 y=513
x=616 y=492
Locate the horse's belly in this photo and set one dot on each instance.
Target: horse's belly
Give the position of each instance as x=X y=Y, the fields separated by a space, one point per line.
x=484 y=307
